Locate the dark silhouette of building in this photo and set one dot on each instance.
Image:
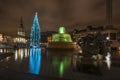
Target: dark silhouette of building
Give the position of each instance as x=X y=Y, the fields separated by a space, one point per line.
x=20 y=40
x=109 y=12
x=21 y=30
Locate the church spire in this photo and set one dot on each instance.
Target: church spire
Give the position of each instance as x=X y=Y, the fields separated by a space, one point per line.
x=21 y=31
x=21 y=22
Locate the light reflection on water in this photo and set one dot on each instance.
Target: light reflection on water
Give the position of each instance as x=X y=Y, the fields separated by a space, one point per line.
x=59 y=63
x=1 y=50
x=91 y=66
x=35 y=60
x=21 y=53
x=108 y=60
x=5 y=50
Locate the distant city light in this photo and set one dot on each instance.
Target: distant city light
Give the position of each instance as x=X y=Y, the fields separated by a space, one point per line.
x=108 y=38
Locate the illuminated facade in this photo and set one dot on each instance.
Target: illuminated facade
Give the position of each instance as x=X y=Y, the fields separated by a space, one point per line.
x=1 y=37
x=5 y=38
x=109 y=33
x=21 y=34
x=20 y=40
x=49 y=39
x=49 y=35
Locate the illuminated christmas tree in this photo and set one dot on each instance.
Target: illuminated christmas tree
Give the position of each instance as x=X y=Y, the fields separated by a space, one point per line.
x=35 y=33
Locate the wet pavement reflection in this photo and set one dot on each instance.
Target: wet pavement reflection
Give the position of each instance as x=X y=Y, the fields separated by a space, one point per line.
x=35 y=60
x=58 y=65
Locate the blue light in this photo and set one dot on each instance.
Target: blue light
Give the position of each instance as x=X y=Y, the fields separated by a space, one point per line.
x=35 y=33
x=35 y=60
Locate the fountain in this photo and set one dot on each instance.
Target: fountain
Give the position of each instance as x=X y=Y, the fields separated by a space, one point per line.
x=35 y=33
x=61 y=40
x=62 y=36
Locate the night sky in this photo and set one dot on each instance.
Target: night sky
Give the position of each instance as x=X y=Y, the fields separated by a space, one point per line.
x=54 y=13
